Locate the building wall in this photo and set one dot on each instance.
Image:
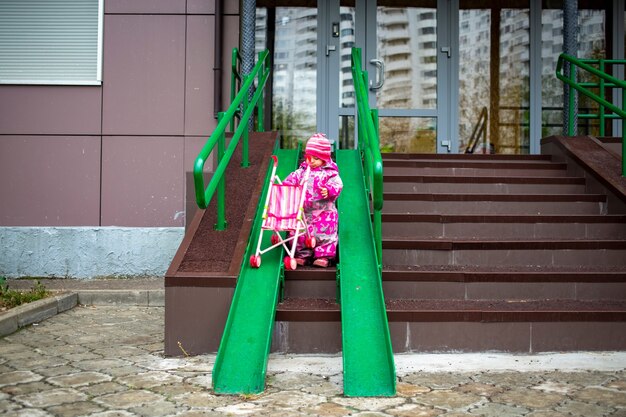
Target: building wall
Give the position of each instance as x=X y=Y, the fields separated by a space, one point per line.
x=117 y=155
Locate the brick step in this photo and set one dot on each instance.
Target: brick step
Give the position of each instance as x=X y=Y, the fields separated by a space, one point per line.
x=463 y=282
x=403 y=167
x=483 y=188
x=505 y=226
x=482 y=179
x=511 y=253
x=465 y=157
x=483 y=184
x=524 y=204
x=488 y=164
x=418 y=310
x=397 y=196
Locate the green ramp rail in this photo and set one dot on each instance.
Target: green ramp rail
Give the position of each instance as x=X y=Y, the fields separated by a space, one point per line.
x=241 y=362
x=242 y=106
x=605 y=83
x=368 y=363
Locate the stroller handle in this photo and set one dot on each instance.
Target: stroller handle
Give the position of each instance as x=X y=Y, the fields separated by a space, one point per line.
x=275 y=158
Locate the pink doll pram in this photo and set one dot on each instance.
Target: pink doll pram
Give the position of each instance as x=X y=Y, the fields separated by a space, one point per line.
x=284 y=212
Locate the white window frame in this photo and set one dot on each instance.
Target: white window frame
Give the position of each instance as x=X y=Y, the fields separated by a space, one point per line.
x=46 y=79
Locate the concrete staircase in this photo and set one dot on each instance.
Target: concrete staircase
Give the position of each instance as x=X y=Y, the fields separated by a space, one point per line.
x=483 y=252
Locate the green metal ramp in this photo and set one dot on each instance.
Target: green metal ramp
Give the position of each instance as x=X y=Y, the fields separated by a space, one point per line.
x=368 y=366
x=241 y=361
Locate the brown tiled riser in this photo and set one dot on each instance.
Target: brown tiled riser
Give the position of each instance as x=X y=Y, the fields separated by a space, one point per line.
x=463 y=157
x=469 y=188
x=471 y=290
x=506 y=230
x=297 y=288
x=307 y=337
x=487 y=172
x=522 y=337
x=495 y=207
x=198 y=319
x=508 y=337
x=506 y=290
x=512 y=257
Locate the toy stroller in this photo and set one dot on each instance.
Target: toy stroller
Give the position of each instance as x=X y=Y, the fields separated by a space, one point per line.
x=284 y=212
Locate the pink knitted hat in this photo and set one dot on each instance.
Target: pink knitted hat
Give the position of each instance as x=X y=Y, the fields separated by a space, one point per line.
x=318 y=145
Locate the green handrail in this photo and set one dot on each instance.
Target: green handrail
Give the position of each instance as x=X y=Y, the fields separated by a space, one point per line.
x=235 y=82
x=242 y=100
x=369 y=146
x=606 y=81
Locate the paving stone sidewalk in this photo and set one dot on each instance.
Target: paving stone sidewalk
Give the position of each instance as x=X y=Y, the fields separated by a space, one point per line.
x=108 y=361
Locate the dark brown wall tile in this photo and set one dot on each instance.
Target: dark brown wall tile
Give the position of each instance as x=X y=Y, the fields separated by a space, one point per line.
x=50 y=180
x=144 y=73
x=142 y=181
x=50 y=110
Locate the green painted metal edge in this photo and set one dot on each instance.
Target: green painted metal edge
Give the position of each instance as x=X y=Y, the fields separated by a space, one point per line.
x=368 y=365
x=241 y=362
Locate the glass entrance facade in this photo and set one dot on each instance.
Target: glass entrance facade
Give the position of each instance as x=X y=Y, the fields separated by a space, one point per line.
x=489 y=79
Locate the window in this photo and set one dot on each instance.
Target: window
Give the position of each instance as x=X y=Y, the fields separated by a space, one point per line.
x=51 y=42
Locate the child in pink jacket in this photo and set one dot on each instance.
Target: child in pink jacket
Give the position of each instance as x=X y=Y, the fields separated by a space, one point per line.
x=322 y=190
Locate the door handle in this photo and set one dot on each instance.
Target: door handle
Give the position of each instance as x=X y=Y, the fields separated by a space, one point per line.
x=330 y=48
x=380 y=74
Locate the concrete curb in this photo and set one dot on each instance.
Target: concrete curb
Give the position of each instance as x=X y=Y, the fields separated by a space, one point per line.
x=35 y=312
x=145 y=298
x=39 y=310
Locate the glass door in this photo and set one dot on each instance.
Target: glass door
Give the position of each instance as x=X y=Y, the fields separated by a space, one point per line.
x=407 y=52
x=446 y=75
x=406 y=93
x=408 y=58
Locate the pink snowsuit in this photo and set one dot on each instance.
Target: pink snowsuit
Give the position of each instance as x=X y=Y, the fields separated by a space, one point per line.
x=321 y=213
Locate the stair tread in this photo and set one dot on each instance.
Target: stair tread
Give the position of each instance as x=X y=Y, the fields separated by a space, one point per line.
x=495 y=244
x=456 y=157
x=483 y=179
x=518 y=274
x=478 y=164
x=502 y=269
x=327 y=304
x=411 y=196
x=504 y=218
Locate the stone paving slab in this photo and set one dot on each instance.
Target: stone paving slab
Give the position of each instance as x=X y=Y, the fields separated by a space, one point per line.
x=108 y=361
x=67 y=293
x=26 y=314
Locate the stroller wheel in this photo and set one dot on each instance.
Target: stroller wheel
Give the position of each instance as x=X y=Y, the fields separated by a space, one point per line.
x=275 y=239
x=290 y=263
x=310 y=242
x=255 y=261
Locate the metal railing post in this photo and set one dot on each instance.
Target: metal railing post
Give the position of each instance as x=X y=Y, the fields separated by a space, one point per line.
x=221 y=187
x=260 y=112
x=610 y=81
x=602 y=96
x=217 y=138
x=235 y=81
x=623 y=134
x=571 y=120
x=244 y=150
